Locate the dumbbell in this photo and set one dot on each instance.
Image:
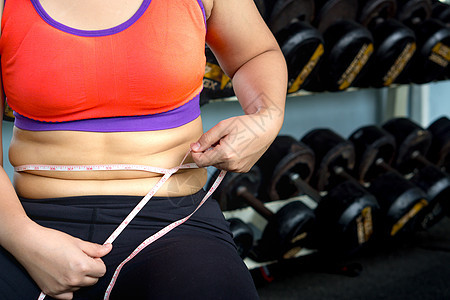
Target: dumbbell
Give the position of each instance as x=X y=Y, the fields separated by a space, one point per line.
x=441 y=11
x=343 y=216
x=242 y=236
x=413 y=142
x=399 y=199
x=439 y=151
x=394 y=42
x=427 y=179
x=216 y=84
x=348 y=46
x=300 y=42
x=283 y=236
x=432 y=56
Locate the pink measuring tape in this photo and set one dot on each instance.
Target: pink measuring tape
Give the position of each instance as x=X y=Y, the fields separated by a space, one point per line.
x=167 y=173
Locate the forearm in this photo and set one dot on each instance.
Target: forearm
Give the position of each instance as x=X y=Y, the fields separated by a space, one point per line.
x=15 y=224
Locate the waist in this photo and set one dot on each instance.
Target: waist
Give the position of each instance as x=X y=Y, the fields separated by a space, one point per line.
x=163 y=149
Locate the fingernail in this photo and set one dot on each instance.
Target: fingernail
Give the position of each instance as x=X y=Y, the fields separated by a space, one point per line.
x=195 y=146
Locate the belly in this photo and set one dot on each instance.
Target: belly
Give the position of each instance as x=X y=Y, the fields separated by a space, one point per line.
x=164 y=148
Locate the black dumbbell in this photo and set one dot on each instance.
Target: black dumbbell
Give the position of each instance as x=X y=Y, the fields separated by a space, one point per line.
x=394 y=43
x=441 y=11
x=425 y=180
x=343 y=216
x=283 y=236
x=283 y=12
x=300 y=42
x=413 y=143
x=242 y=236
x=432 y=56
x=348 y=46
x=439 y=151
x=399 y=199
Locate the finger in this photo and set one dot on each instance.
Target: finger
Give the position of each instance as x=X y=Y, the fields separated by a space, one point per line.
x=211 y=157
x=210 y=138
x=63 y=296
x=88 y=281
x=95 y=250
x=96 y=268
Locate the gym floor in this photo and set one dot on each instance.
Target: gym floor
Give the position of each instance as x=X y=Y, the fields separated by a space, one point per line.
x=415 y=267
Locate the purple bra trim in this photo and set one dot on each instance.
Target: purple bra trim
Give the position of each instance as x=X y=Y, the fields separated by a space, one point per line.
x=90 y=33
x=169 y=119
x=102 y=32
x=203 y=9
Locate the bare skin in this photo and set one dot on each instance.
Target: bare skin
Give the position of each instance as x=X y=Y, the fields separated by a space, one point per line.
x=232 y=26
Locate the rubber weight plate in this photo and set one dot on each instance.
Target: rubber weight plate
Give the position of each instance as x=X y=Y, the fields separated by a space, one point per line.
x=371 y=143
x=242 y=236
x=302 y=46
x=346 y=218
x=436 y=186
x=409 y=137
x=432 y=57
x=331 y=150
x=439 y=151
x=226 y=193
x=400 y=202
x=371 y=11
x=348 y=48
x=285 y=11
x=412 y=12
x=395 y=45
x=329 y=12
x=284 y=154
x=441 y=11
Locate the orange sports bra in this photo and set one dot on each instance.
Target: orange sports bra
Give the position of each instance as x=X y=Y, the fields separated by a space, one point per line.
x=153 y=64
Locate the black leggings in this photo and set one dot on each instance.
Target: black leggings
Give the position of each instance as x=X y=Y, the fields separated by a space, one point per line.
x=197 y=260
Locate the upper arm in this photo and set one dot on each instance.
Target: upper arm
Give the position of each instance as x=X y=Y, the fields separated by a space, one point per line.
x=237 y=33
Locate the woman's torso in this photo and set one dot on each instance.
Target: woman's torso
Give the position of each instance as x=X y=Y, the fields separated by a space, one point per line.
x=159 y=148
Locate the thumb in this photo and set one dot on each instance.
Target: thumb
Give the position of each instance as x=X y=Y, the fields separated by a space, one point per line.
x=95 y=250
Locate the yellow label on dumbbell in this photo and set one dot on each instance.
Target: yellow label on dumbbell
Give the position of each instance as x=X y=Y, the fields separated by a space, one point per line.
x=296 y=84
x=291 y=253
x=401 y=223
x=399 y=64
x=215 y=73
x=355 y=67
x=440 y=54
x=364 y=225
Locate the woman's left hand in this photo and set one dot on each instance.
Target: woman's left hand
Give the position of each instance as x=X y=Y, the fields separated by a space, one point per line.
x=236 y=144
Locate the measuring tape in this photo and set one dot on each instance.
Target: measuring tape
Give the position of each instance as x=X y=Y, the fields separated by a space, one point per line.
x=167 y=173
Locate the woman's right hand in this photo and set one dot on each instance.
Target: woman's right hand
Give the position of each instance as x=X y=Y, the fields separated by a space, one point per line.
x=61 y=264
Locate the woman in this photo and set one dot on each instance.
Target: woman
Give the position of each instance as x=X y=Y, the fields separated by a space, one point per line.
x=117 y=82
